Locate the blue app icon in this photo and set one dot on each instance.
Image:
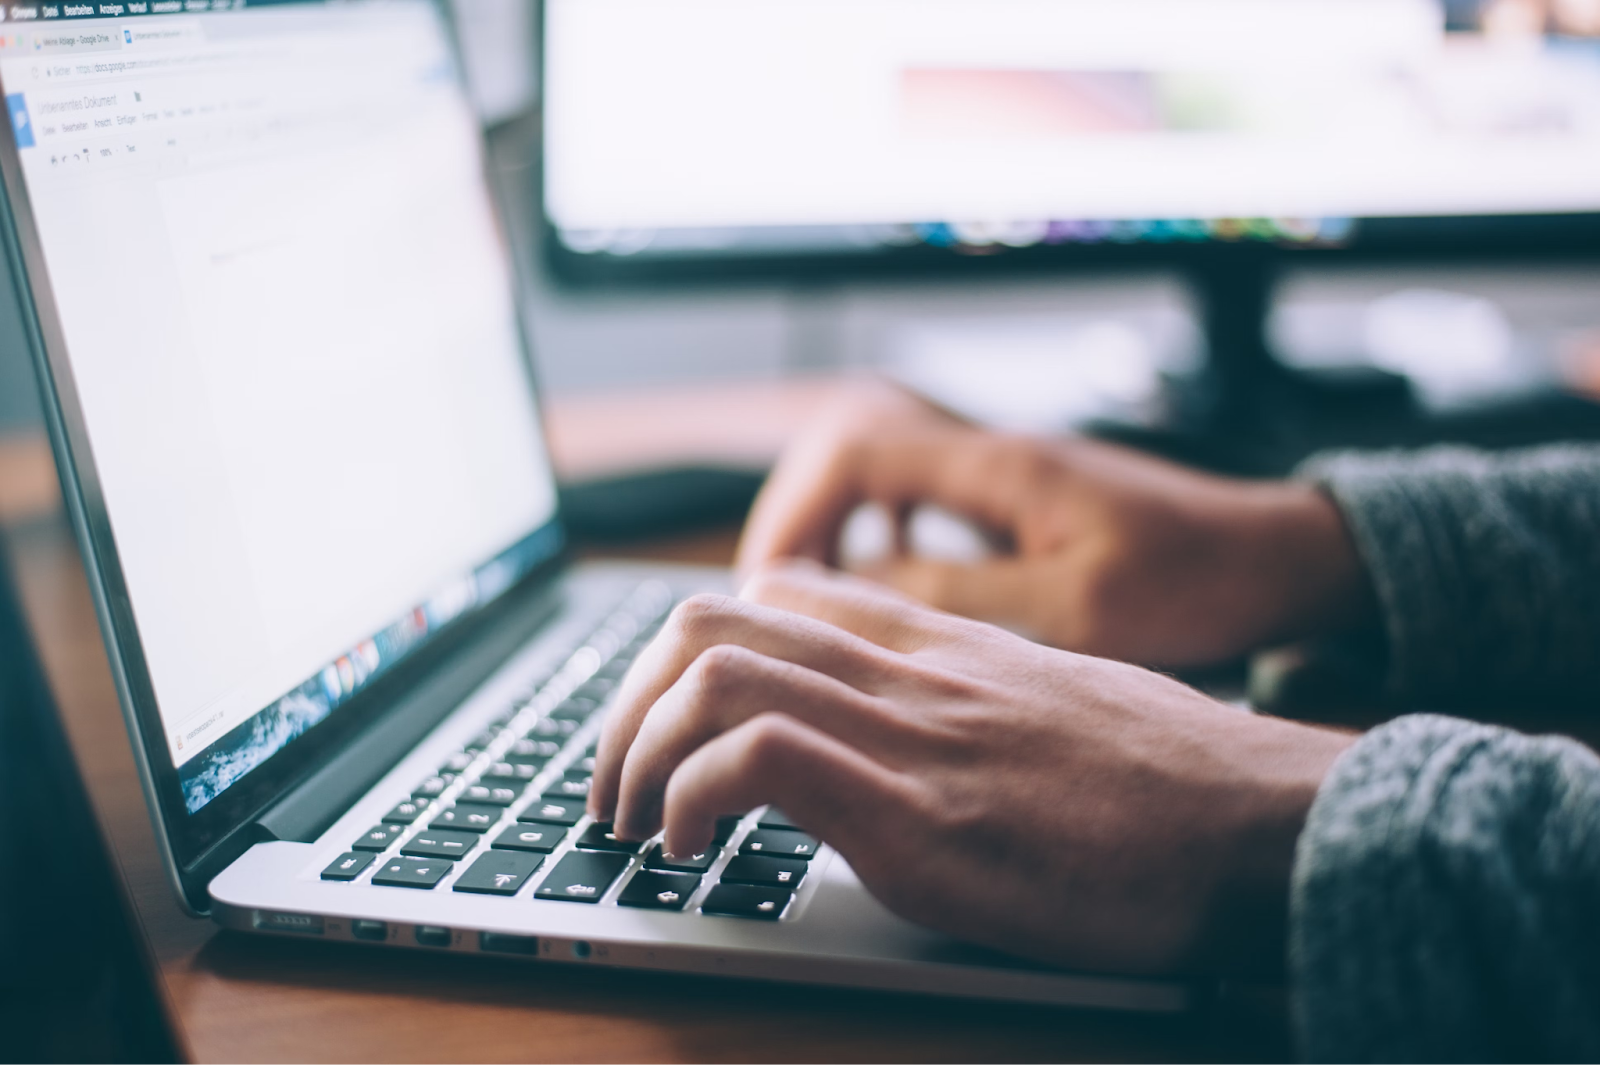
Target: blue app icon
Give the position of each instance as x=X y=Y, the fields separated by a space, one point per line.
x=127 y=35
x=21 y=125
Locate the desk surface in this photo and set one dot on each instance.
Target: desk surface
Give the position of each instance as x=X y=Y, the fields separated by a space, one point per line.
x=235 y=997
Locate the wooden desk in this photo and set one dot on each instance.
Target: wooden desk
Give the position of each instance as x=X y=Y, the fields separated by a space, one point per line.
x=235 y=997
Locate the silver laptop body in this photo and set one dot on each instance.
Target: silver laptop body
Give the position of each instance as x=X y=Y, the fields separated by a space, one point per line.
x=275 y=316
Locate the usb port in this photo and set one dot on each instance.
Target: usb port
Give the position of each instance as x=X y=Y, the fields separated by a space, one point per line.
x=504 y=943
x=433 y=936
x=375 y=931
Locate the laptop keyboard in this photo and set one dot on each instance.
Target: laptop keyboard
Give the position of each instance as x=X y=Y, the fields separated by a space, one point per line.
x=504 y=816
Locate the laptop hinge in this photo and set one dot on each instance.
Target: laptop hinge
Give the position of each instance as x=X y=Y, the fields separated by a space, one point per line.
x=308 y=810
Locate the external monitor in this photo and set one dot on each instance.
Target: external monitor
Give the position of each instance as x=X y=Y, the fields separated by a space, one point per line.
x=683 y=136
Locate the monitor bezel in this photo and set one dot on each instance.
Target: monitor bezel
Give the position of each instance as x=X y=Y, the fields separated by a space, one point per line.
x=1377 y=241
x=1455 y=240
x=194 y=845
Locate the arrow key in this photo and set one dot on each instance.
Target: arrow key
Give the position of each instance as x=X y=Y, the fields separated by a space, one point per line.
x=499 y=873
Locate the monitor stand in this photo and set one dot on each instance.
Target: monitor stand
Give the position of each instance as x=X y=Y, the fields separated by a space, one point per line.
x=1248 y=412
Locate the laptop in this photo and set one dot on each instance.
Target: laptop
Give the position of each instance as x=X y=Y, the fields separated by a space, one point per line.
x=276 y=317
x=47 y=1009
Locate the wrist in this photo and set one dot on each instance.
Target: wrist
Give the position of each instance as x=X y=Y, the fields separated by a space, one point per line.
x=1301 y=550
x=1245 y=932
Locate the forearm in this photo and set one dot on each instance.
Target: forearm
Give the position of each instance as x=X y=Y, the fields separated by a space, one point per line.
x=1446 y=899
x=1484 y=566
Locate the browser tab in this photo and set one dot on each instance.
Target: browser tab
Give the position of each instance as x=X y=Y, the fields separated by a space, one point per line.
x=97 y=39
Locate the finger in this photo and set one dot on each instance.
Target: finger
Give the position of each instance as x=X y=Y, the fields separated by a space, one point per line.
x=802 y=506
x=805 y=502
x=1001 y=590
x=865 y=608
x=707 y=621
x=772 y=758
x=724 y=688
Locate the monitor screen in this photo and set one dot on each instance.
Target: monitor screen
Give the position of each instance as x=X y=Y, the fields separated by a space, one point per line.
x=681 y=128
x=289 y=320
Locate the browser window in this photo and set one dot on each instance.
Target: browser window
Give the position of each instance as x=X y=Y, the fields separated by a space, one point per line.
x=290 y=320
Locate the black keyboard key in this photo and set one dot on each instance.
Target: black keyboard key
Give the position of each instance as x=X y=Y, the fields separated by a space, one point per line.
x=553 y=811
x=582 y=876
x=569 y=788
x=574 y=709
x=499 y=873
x=403 y=814
x=347 y=866
x=533 y=751
x=682 y=863
x=779 y=843
x=536 y=839
x=467 y=817
x=772 y=817
x=509 y=773
x=744 y=900
x=617 y=668
x=429 y=789
x=457 y=762
x=774 y=872
x=412 y=872
x=378 y=838
x=439 y=843
x=599 y=837
x=551 y=726
x=492 y=794
x=726 y=826
x=653 y=890
x=595 y=689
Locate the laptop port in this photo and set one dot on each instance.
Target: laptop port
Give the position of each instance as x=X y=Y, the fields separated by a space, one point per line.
x=433 y=936
x=503 y=943
x=374 y=931
x=305 y=924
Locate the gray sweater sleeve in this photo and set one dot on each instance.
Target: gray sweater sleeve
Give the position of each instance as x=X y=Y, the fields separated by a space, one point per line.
x=1445 y=902
x=1485 y=565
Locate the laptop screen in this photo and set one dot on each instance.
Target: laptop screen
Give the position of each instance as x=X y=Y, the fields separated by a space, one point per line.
x=290 y=321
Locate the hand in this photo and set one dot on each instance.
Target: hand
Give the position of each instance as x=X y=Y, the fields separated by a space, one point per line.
x=1111 y=552
x=1069 y=809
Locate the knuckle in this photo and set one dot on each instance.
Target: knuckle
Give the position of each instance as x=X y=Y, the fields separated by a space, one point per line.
x=719 y=670
x=768 y=583
x=699 y=613
x=1028 y=465
x=767 y=741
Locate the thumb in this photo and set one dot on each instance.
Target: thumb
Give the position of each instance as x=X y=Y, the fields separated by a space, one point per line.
x=997 y=590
